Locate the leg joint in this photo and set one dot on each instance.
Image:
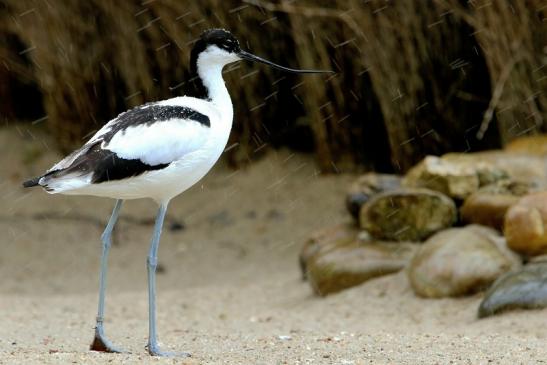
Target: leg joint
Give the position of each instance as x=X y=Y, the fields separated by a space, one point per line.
x=106 y=238
x=152 y=262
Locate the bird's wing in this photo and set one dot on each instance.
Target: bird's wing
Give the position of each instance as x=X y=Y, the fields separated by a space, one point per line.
x=158 y=142
x=145 y=138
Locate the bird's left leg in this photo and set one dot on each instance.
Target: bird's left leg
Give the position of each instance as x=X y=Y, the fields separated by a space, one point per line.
x=100 y=342
x=152 y=263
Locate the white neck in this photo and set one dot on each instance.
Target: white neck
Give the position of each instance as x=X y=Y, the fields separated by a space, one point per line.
x=211 y=76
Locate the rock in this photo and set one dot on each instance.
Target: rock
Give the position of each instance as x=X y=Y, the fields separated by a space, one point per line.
x=532 y=145
x=500 y=241
x=342 y=267
x=450 y=179
x=489 y=205
x=459 y=261
x=487 y=209
x=523 y=289
x=519 y=167
x=525 y=225
x=366 y=186
x=325 y=239
x=455 y=178
x=407 y=214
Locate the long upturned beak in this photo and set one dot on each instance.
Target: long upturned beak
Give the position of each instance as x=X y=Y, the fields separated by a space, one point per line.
x=251 y=57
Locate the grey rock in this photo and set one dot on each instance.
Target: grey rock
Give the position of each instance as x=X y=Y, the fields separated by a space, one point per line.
x=523 y=289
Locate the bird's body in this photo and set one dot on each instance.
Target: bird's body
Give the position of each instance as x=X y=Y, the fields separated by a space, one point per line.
x=156 y=150
x=158 y=159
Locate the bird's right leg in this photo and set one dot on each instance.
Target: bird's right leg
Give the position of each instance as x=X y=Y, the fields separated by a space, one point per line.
x=100 y=342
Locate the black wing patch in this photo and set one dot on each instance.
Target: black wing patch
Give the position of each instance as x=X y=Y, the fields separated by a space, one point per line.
x=148 y=114
x=104 y=165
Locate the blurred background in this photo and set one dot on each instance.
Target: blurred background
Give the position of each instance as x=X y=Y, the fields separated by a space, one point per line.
x=375 y=214
x=414 y=77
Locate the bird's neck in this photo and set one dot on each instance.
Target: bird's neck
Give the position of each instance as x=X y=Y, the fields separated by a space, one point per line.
x=213 y=82
x=209 y=84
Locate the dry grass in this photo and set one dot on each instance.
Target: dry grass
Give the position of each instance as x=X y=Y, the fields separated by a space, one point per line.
x=414 y=77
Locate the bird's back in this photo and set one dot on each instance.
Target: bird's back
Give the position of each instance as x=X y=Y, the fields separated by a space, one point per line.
x=153 y=150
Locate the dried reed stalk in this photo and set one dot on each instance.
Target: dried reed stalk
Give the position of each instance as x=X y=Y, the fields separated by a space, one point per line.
x=414 y=77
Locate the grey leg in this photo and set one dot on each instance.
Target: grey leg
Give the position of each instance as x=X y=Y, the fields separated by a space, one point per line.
x=101 y=343
x=152 y=263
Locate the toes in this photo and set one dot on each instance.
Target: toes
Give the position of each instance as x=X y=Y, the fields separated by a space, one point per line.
x=155 y=351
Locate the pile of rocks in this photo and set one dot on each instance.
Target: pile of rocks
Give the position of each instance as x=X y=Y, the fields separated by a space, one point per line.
x=442 y=222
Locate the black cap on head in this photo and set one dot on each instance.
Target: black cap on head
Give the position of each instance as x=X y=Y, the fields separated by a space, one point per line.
x=220 y=38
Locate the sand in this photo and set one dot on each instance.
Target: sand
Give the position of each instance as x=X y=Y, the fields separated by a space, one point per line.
x=230 y=290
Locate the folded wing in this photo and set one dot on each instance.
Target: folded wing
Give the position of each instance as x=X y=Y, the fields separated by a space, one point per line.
x=143 y=139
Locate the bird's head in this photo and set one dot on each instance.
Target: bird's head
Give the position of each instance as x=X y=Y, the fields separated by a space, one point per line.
x=218 y=47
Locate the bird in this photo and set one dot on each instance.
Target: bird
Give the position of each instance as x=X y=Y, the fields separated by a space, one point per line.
x=156 y=150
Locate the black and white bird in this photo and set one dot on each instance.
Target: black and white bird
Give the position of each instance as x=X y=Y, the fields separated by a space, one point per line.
x=156 y=150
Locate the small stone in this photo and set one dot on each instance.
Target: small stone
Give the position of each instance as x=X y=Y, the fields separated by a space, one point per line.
x=407 y=214
x=274 y=214
x=221 y=218
x=345 y=266
x=525 y=225
x=251 y=214
x=459 y=261
x=366 y=186
x=523 y=289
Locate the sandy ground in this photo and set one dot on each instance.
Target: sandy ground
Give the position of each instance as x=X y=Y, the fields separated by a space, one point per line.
x=230 y=289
